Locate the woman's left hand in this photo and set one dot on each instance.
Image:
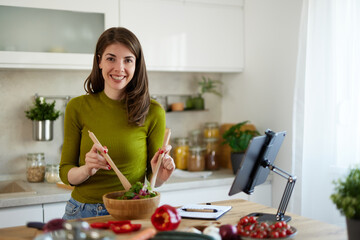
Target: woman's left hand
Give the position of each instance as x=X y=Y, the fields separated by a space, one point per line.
x=166 y=168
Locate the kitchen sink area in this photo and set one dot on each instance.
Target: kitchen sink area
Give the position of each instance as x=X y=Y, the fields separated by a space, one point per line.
x=15 y=187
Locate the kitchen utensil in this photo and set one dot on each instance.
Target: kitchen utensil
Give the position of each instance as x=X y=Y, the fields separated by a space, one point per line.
x=52 y=225
x=160 y=158
x=122 y=178
x=77 y=230
x=130 y=209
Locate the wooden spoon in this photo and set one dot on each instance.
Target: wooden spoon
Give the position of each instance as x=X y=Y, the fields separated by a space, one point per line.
x=122 y=178
x=160 y=158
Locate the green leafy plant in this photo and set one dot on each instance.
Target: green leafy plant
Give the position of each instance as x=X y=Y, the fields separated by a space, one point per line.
x=42 y=111
x=207 y=85
x=347 y=194
x=237 y=138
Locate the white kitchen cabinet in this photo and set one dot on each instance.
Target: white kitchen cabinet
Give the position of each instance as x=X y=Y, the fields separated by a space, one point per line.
x=57 y=34
x=187 y=35
x=18 y=216
x=262 y=195
x=53 y=210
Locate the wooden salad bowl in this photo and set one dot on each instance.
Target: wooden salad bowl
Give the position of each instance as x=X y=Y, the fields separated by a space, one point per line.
x=130 y=209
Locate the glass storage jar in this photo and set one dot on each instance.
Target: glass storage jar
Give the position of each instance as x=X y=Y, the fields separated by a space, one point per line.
x=35 y=167
x=181 y=152
x=196 y=160
x=195 y=137
x=52 y=173
x=211 y=155
x=211 y=130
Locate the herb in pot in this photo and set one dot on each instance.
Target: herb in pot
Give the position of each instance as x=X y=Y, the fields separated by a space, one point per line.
x=42 y=111
x=347 y=194
x=238 y=138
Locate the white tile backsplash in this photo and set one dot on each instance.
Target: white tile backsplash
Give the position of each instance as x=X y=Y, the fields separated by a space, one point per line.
x=19 y=87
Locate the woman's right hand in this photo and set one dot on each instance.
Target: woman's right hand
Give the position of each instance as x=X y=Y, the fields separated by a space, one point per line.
x=95 y=161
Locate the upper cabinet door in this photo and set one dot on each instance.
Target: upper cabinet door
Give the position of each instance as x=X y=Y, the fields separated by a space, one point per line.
x=57 y=34
x=187 y=35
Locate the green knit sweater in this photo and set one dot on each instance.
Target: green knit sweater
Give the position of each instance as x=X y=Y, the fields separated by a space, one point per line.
x=130 y=147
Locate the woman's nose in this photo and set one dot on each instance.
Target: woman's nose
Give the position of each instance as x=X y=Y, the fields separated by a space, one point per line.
x=120 y=67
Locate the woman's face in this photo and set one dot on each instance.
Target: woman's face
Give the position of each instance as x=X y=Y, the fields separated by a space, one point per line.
x=118 y=67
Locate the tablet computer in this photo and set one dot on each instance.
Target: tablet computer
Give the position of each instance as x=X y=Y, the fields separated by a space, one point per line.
x=253 y=170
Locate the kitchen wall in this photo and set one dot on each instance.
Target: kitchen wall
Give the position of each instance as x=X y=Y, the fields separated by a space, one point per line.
x=19 y=87
x=264 y=92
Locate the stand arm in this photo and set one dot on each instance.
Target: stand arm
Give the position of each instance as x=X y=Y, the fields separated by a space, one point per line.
x=287 y=192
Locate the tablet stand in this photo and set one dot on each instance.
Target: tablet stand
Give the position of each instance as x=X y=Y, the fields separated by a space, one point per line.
x=280 y=215
x=254 y=170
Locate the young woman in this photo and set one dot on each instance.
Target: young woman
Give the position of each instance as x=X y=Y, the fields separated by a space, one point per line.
x=118 y=110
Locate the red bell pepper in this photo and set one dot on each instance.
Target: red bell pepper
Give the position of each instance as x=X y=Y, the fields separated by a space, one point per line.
x=125 y=228
x=166 y=218
x=122 y=222
x=100 y=225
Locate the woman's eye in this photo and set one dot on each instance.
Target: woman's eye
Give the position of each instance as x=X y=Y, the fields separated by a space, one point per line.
x=129 y=60
x=111 y=59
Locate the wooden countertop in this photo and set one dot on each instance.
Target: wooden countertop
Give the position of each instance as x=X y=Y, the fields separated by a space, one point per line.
x=307 y=228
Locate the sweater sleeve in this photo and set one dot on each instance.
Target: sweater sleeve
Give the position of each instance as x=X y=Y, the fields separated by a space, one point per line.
x=72 y=137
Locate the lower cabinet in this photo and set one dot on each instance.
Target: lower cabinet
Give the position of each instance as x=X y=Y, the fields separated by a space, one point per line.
x=18 y=216
x=262 y=195
x=53 y=210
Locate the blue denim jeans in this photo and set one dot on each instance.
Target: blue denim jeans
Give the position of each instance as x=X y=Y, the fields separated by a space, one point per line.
x=76 y=210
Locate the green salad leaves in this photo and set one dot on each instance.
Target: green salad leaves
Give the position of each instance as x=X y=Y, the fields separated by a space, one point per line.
x=138 y=191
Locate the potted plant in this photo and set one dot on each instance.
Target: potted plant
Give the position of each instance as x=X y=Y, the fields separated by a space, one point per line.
x=347 y=199
x=238 y=138
x=43 y=115
x=207 y=85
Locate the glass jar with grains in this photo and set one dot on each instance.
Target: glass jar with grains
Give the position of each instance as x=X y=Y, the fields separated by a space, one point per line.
x=35 y=167
x=181 y=153
x=196 y=160
x=211 y=130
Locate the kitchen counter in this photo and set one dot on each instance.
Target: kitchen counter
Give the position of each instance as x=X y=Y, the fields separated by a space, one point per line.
x=306 y=228
x=50 y=193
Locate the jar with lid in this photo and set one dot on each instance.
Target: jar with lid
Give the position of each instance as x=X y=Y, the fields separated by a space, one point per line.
x=211 y=130
x=181 y=152
x=52 y=173
x=211 y=155
x=196 y=160
x=195 y=137
x=35 y=167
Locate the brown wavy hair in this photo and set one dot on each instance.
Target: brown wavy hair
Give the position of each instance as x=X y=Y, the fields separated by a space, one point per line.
x=137 y=97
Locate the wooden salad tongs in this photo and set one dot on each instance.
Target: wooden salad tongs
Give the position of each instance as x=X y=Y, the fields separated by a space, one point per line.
x=121 y=176
x=160 y=158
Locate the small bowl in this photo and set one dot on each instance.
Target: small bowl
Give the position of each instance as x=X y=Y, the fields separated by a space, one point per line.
x=130 y=209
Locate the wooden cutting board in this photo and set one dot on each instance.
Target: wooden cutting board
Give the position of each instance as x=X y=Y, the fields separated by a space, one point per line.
x=65 y=186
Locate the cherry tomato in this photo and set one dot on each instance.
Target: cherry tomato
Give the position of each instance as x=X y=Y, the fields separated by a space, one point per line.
x=274 y=234
x=244 y=220
x=252 y=219
x=282 y=233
